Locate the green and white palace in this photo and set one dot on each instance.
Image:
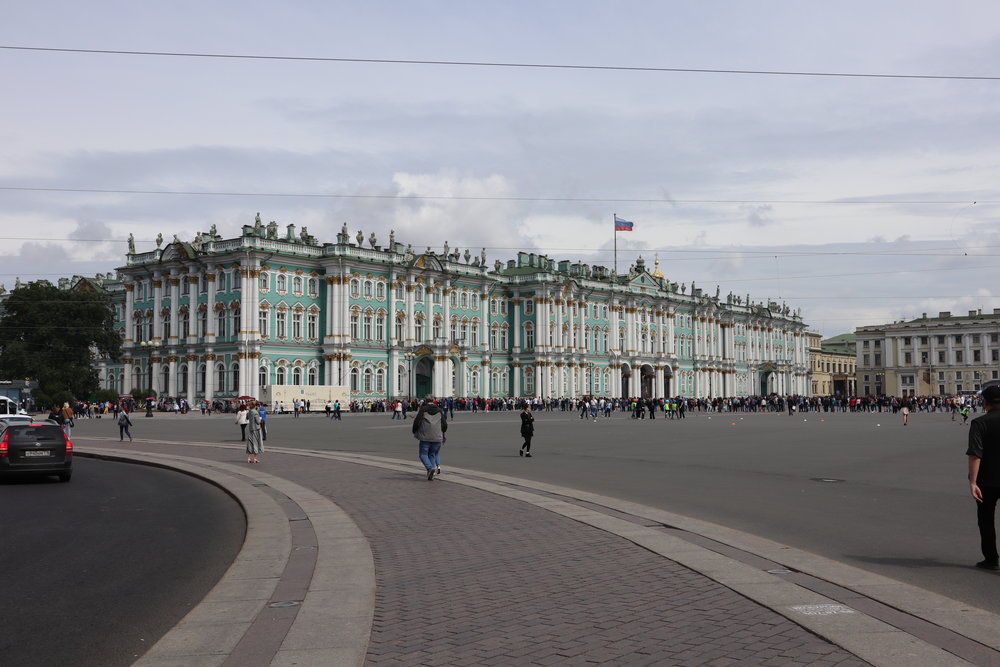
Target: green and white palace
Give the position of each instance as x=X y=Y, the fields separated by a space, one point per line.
x=218 y=318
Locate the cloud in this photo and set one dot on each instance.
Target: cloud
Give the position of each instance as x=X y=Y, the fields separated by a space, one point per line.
x=758 y=215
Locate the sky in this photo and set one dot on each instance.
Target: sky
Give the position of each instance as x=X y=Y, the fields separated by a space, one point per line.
x=859 y=200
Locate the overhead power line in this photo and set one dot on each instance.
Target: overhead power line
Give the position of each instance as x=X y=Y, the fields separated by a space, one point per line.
x=597 y=200
x=472 y=63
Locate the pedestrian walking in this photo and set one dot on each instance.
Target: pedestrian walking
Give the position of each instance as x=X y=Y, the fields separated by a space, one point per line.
x=965 y=414
x=242 y=417
x=255 y=431
x=67 y=419
x=984 y=474
x=429 y=427
x=123 y=426
x=336 y=411
x=906 y=414
x=527 y=430
x=262 y=411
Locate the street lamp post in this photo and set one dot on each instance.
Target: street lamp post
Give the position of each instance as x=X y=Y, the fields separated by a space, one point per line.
x=150 y=345
x=409 y=356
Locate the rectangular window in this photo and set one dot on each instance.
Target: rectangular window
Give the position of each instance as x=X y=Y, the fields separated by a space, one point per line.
x=907 y=358
x=262 y=323
x=297 y=325
x=940 y=340
x=282 y=324
x=313 y=325
x=958 y=338
x=906 y=340
x=380 y=327
x=995 y=355
x=975 y=339
x=958 y=375
x=923 y=357
x=878 y=359
x=976 y=355
x=940 y=375
x=923 y=340
x=529 y=307
x=940 y=356
x=958 y=356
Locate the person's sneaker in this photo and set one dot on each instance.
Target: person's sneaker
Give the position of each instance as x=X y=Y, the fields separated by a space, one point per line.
x=528 y=455
x=988 y=565
x=437 y=471
x=520 y=452
x=430 y=474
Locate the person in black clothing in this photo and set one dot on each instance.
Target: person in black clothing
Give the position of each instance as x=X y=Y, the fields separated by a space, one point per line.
x=984 y=474
x=527 y=430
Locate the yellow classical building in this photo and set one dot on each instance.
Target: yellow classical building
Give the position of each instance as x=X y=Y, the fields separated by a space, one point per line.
x=832 y=364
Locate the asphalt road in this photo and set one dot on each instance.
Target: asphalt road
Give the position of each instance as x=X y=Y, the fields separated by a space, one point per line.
x=98 y=569
x=900 y=508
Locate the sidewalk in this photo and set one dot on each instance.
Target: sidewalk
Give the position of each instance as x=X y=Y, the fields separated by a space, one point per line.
x=371 y=563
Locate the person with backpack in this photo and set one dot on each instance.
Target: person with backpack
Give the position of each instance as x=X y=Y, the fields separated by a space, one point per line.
x=123 y=426
x=429 y=427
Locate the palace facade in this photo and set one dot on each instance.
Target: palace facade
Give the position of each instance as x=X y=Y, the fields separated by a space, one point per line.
x=221 y=318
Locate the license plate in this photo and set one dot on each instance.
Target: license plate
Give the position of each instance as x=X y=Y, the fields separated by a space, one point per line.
x=37 y=452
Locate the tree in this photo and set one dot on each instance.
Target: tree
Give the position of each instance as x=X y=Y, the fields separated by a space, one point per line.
x=53 y=335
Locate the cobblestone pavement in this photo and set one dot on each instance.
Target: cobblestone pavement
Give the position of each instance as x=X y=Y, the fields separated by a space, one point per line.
x=466 y=577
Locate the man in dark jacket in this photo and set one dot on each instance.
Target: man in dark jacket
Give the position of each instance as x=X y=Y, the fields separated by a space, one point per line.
x=429 y=427
x=984 y=473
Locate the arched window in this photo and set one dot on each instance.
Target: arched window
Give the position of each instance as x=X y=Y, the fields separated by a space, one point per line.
x=529 y=336
x=418 y=293
x=367 y=325
x=297 y=285
x=503 y=337
x=313 y=287
x=529 y=381
x=165 y=321
x=419 y=328
x=182 y=379
x=164 y=379
x=262 y=320
x=262 y=376
x=138 y=329
x=494 y=337
x=220 y=324
x=465 y=299
x=297 y=325
x=313 y=376
x=380 y=381
x=202 y=376
x=279 y=375
x=474 y=333
x=281 y=324
x=400 y=323
x=380 y=326
x=436 y=328
x=474 y=381
x=354 y=380
x=453 y=299
x=380 y=291
x=355 y=287
x=367 y=289
x=137 y=377
x=296 y=376
x=453 y=330
x=235 y=377
x=262 y=281
x=235 y=312
x=281 y=284
x=203 y=323
x=312 y=325
x=368 y=380
x=220 y=378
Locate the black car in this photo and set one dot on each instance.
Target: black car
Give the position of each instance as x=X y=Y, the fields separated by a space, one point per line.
x=35 y=448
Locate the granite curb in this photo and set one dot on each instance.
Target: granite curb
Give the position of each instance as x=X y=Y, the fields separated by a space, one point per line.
x=332 y=620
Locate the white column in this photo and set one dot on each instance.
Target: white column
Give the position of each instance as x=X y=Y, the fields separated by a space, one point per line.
x=127 y=369
x=172 y=369
x=484 y=308
x=157 y=305
x=175 y=297
x=517 y=379
x=209 y=378
x=410 y=313
x=211 y=330
x=331 y=311
x=129 y=321
x=658 y=383
x=446 y=314
x=515 y=303
x=192 y=363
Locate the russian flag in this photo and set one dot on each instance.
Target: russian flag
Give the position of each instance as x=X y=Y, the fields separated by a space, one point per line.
x=622 y=225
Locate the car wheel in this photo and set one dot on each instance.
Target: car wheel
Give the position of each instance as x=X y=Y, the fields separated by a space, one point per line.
x=65 y=476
